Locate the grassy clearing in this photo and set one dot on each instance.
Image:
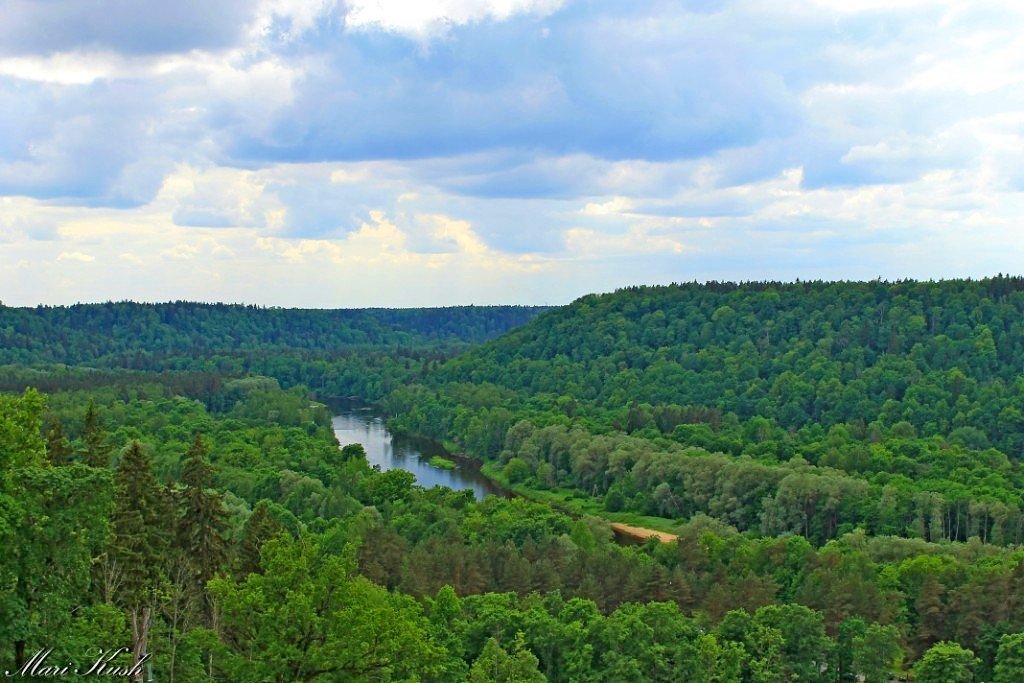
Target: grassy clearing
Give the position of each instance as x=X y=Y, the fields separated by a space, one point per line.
x=578 y=504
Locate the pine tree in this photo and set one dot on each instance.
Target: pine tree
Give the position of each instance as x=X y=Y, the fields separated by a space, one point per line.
x=97 y=450
x=202 y=520
x=58 y=451
x=139 y=541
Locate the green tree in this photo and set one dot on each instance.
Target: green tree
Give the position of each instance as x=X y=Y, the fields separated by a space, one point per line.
x=444 y=612
x=97 y=450
x=495 y=665
x=805 y=648
x=58 y=450
x=260 y=527
x=1010 y=659
x=202 y=523
x=139 y=542
x=516 y=471
x=310 y=617
x=720 y=662
x=353 y=451
x=55 y=529
x=876 y=653
x=946 y=662
x=763 y=660
x=52 y=521
x=389 y=486
x=21 y=443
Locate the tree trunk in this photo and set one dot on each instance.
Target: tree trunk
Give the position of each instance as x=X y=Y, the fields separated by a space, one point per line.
x=215 y=626
x=174 y=643
x=141 y=623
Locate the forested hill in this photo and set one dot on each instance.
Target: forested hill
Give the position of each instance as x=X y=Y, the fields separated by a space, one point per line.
x=86 y=333
x=941 y=356
x=806 y=408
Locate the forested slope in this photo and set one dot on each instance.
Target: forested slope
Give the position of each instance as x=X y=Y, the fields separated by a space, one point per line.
x=939 y=355
x=127 y=333
x=811 y=408
x=344 y=352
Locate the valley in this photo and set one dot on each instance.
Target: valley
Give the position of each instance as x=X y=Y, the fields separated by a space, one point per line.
x=821 y=480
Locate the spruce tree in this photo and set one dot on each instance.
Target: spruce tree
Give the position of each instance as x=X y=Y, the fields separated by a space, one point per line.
x=203 y=523
x=58 y=451
x=97 y=450
x=258 y=529
x=139 y=541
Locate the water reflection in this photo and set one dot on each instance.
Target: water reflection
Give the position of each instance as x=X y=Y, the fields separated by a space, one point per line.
x=390 y=451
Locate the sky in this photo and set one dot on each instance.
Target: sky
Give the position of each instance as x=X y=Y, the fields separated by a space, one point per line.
x=349 y=153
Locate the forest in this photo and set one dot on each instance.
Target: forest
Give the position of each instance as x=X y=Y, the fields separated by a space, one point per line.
x=840 y=461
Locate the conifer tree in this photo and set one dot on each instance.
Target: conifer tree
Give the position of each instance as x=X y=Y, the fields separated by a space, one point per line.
x=139 y=541
x=58 y=450
x=202 y=520
x=258 y=529
x=97 y=450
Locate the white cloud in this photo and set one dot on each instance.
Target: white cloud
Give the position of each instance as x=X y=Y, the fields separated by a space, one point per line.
x=76 y=256
x=613 y=205
x=379 y=241
x=355 y=174
x=420 y=19
x=65 y=68
x=856 y=6
x=638 y=239
x=181 y=252
x=131 y=258
x=298 y=16
x=459 y=233
x=221 y=197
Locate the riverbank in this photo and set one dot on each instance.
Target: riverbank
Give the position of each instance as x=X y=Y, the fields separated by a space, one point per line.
x=628 y=524
x=641 y=534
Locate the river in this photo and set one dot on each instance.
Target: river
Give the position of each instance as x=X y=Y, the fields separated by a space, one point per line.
x=354 y=424
x=390 y=451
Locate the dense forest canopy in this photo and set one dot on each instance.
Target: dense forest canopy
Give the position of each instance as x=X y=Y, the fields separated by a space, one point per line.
x=111 y=333
x=815 y=352
x=811 y=408
x=841 y=464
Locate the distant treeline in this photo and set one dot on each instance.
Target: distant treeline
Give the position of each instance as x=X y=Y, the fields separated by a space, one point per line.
x=127 y=333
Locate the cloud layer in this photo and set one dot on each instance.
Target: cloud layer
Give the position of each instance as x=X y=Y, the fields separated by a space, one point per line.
x=407 y=153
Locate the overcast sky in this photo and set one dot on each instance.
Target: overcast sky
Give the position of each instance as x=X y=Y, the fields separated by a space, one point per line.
x=324 y=153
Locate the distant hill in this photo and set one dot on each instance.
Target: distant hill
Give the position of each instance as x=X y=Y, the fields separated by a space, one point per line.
x=931 y=353
x=106 y=333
